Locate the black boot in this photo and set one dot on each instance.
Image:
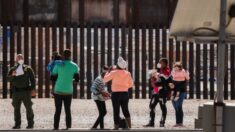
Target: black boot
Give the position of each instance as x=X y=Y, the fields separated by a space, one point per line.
x=150 y=124
x=16 y=127
x=29 y=127
x=116 y=127
x=152 y=118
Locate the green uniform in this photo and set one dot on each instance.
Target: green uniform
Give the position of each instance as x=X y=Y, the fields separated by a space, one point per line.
x=22 y=86
x=65 y=78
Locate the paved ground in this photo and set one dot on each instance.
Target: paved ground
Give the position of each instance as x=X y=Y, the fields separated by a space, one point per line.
x=132 y=130
x=84 y=114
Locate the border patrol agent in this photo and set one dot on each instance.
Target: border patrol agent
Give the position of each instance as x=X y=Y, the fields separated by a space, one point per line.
x=23 y=81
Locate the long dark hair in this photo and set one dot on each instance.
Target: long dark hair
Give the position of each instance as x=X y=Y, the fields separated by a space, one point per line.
x=104 y=70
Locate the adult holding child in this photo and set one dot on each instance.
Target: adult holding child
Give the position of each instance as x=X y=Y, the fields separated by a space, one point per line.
x=158 y=82
x=65 y=73
x=180 y=77
x=121 y=83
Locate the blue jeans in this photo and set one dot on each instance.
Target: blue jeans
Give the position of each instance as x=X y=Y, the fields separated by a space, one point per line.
x=178 y=108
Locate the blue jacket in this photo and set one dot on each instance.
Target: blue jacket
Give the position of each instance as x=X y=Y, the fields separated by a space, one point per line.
x=52 y=64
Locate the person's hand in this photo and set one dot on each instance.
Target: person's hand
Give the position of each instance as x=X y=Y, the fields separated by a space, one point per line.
x=114 y=67
x=13 y=73
x=176 y=98
x=52 y=94
x=171 y=85
x=33 y=93
x=105 y=94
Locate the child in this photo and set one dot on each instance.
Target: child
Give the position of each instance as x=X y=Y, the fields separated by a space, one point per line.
x=180 y=78
x=100 y=95
x=154 y=77
x=56 y=59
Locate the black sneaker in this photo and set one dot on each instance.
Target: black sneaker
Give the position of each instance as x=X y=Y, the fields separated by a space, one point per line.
x=29 y=127
x=93 y=128
x=149 y=125
x=55 y=129
x=16 y=127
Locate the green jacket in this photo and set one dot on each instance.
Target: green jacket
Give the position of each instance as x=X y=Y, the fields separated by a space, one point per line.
x=22 y=81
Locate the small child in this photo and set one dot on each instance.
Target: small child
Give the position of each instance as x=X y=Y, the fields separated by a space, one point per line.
x=179 y=78
x=154 y=77
x=100 y=95
x=179 y=81
x=56 y=59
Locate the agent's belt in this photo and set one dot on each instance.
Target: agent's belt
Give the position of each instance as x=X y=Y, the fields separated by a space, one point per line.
x=17 y=89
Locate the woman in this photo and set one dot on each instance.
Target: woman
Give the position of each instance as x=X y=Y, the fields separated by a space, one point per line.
x=160 y=96
x=180 y=78
x=121 y=82
x=100 y=95
x=63 y=91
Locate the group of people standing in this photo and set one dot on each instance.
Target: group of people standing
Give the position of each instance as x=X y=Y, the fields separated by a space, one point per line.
x=121 y=83
x=165 y=84
x=63 y=72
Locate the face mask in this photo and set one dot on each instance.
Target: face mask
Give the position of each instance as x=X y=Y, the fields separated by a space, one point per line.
x=159 y=65
x=21 y=62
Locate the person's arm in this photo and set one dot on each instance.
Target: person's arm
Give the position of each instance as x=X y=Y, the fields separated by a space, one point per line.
x=54 y=74
x=76 y=77
x=130 y=82
x=151 y=84
x=50 y=67
x=158 y=83
x=11 y=75
x=163 y=80
x=109 y=76
x=32 y=79
x=170 y=79
x=186 y=73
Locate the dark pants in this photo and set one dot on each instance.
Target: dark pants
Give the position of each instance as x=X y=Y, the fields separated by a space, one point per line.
x=59 y=99
x=102 y=112
x=178 y=108
x=120 y=99
x=153 y=103
x=17 y=99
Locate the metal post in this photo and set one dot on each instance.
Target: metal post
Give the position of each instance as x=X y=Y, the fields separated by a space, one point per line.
x=221 y=52
x=219 y=105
